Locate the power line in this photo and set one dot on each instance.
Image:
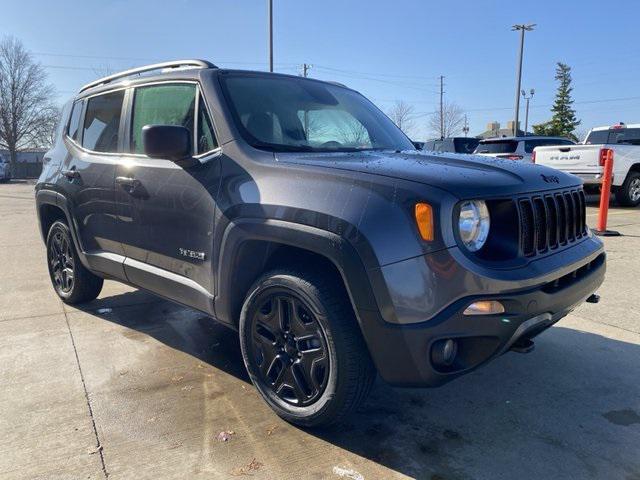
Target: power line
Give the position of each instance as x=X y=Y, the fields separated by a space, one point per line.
x=141 y=59
x=378 y=74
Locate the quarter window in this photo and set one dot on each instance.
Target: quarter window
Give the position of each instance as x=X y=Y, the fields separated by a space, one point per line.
x=74 y=121
x=206 y=138
x=161 y=105
x=102 y=122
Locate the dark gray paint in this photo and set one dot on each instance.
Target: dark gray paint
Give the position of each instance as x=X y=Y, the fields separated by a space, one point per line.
x=353 y=209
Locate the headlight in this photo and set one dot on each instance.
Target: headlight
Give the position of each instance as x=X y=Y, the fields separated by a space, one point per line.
x=473 y=224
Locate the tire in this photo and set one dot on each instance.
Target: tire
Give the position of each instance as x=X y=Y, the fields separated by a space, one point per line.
x=628 y=194
x=322 y=332
x=70 y=279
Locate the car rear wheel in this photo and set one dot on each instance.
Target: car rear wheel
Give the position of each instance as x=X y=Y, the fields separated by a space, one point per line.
x=303 y=348
x=71 y=280
x=628 y=194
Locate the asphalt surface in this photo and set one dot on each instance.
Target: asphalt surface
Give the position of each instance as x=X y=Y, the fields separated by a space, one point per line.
x=131 y=386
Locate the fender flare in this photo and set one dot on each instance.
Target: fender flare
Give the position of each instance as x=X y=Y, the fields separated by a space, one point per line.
x=359 y=282
x=56 y=199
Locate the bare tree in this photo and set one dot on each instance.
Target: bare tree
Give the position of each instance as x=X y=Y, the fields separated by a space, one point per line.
x=27 y=114
x=453 y=121
x=103 y=70
x=353 y=134
x=402 y=115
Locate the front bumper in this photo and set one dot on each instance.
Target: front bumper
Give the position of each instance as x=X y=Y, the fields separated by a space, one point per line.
x=403 y=351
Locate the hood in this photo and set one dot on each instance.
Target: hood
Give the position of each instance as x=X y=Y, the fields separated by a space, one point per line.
x=465 y=176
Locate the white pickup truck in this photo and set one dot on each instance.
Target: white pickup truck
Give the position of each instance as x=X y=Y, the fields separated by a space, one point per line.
x=587 y=160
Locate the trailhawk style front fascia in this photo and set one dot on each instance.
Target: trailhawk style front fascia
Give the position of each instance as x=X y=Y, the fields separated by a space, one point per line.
x=426 y=266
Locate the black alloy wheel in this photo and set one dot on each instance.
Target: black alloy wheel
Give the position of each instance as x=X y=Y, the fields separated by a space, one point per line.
x=71 y=280
x=302 y=345
x=289 y=348
x=61 y=262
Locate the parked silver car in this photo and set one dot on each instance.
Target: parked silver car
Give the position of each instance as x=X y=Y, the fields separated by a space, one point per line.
x=517 y=148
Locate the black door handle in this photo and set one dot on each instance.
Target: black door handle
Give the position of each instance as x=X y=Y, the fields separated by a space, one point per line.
x=71 y=174
x=129 y=183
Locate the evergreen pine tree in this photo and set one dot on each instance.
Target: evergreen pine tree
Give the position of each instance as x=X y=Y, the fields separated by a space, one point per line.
x=564 y=121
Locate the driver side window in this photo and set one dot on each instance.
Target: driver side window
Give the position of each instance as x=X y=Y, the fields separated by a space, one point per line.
x=172 y=104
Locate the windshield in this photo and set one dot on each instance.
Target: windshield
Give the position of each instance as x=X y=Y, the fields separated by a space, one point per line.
x=296 y=114
x=499 y=146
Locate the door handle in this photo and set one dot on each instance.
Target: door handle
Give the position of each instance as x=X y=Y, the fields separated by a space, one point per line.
x=129 y=183
x=71 y=174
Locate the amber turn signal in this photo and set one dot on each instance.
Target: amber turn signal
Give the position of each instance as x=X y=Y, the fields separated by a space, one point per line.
x=424 y=219
x=484 y=307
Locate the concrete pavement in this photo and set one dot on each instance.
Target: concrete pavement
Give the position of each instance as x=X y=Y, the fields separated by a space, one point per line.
x=132 y=386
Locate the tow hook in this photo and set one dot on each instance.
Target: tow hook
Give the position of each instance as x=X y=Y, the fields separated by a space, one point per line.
x=523 y=345
x=593 y=298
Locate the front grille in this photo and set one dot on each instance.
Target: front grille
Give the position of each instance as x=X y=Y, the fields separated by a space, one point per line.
x=551 y=220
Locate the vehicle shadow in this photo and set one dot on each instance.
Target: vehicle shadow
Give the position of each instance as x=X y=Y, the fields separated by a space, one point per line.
x=570 y=409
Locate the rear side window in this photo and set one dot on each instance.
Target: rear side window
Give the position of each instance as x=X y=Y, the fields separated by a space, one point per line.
x=628 y=136
x=73 y=131
x=161 y=105
x=529 y=145
x=499 y=146
x=102 y=122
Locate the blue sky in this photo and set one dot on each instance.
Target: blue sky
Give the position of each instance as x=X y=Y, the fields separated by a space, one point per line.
x=388 y=50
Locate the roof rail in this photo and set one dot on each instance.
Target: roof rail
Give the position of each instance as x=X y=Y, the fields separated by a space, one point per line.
x=149 y=68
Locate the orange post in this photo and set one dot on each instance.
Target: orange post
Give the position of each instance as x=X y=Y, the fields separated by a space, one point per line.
x=605 y=193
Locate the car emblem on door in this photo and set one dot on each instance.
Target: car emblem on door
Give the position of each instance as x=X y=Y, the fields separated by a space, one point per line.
x=550 y=178
x=191 y=254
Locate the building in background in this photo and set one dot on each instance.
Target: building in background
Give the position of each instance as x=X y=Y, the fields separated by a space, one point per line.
x=494 y=130
x=29 y=162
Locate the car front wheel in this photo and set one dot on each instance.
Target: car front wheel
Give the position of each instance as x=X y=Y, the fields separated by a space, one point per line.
x=303 y=348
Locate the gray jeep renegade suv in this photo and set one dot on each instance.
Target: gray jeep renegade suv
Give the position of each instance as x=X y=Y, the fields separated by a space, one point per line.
x=295 y=212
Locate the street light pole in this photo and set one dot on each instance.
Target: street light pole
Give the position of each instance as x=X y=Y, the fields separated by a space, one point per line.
x=270 y=15
x=526 y=117
x=522 y=28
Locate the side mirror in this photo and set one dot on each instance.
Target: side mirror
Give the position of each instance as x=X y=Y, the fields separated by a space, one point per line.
x=170 y=142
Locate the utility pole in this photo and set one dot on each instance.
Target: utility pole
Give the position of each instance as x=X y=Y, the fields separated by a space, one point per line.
x=305 y=69
x=441 y=106
x=465 y=129
x=270 y=15
x=526 y=116
x=522 y=28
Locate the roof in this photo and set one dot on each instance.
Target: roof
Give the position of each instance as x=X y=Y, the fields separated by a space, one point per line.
x=176 y=70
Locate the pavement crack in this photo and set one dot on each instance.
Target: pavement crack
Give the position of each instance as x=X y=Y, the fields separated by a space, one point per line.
x=99 y=448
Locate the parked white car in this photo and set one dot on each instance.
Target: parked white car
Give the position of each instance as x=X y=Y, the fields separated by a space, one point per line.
x=5 y=169
x=516 y=148
x=587 y=160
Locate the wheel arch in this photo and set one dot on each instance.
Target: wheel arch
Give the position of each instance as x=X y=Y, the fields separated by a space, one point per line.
x=634 y=168
x=251 y=247
x=52 y=206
